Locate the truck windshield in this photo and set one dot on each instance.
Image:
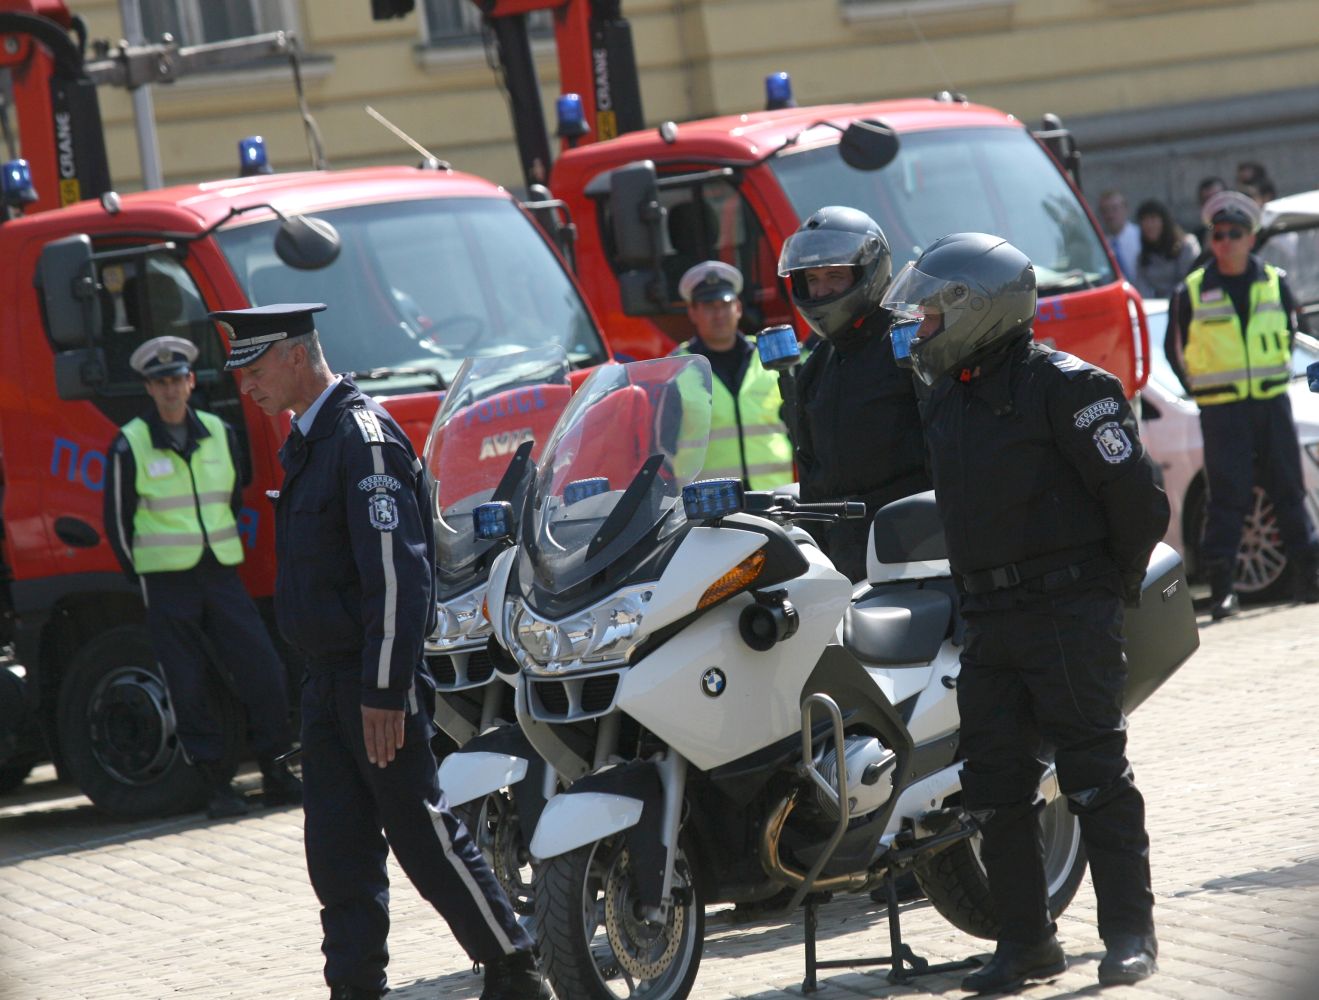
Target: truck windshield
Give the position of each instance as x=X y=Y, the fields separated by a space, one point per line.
x=421 y=285
x=989 y=180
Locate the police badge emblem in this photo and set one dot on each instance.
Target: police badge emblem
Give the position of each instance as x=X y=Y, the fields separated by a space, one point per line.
x=1112 y=442
x=384 y=512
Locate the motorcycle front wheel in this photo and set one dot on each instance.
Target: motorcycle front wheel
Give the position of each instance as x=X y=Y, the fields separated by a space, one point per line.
x=594 y=942
x=954 y=879
x=494 y=825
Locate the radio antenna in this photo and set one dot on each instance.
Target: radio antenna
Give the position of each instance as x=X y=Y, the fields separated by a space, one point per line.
x=929 y=51
x=431 y=157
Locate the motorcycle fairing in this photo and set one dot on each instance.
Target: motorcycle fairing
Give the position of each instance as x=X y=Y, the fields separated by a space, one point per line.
x=468 y=774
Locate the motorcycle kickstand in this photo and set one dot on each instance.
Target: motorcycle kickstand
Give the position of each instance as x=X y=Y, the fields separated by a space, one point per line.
x=904 y=964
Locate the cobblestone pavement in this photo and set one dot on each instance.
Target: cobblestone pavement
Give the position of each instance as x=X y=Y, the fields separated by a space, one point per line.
x=1227 y=754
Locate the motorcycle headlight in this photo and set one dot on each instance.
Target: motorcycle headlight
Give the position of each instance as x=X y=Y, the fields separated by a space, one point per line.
x=597 y=636
x=459 y=622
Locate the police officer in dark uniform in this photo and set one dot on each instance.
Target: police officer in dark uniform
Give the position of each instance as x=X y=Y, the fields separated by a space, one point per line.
x=1230 y=342
x=354 y=594
x=856 y=424
x=1051 y=509
x=172 y=498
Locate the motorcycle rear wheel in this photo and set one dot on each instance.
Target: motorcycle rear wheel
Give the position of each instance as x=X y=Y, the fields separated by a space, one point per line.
x=593 y=944
x=954 y=879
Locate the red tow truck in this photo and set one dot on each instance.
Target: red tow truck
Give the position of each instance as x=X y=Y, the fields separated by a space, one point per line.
x=648 y=203
x=421 y=268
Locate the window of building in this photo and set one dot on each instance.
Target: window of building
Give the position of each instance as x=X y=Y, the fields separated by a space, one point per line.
x=193 y=22
x=458 y=22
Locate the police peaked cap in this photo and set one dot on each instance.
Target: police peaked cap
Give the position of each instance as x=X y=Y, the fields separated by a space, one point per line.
x=162 y=356
x=710 y=281
x=1232 y=206
x=251 y=332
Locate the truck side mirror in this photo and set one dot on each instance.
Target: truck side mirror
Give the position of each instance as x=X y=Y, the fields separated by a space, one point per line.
x=67 y=283
x=307 y=243
x=868 y=144
x=639 y=224
x=1062 y=144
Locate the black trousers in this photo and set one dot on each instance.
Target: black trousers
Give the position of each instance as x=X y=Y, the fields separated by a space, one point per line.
x=348 y=802
x=1240 y=440
x=209 y=601
x=1050 y=671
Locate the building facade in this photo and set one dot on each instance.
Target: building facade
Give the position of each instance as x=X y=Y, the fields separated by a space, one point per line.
x=1158 y=92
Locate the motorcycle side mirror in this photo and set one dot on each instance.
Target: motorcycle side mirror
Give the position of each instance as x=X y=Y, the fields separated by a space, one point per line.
x=307 y=243
x=493 y=521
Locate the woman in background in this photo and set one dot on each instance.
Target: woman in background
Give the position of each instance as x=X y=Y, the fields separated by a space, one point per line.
x=1166 y=253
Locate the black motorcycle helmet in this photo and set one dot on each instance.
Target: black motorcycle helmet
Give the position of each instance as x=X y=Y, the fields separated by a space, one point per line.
x=971 y=293
x=837 y=236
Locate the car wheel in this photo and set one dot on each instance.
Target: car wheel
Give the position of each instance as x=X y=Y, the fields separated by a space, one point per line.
x=1261 y=566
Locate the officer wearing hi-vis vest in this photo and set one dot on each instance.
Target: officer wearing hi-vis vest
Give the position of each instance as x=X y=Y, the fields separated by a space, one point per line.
x=172 y=495
x=1230 y=343
x=748 y=440
x=355 y=594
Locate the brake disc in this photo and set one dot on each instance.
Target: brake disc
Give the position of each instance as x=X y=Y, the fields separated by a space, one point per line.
x=643 y=949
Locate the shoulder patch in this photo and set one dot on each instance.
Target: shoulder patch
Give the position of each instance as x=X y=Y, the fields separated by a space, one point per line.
x=1069 y=364
x=382 y=510
x=1106 y=407
x=369 y=424
x=1112 y=442
x=380 y=482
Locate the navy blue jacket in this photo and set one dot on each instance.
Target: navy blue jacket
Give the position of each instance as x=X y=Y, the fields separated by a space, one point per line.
x=353 y=536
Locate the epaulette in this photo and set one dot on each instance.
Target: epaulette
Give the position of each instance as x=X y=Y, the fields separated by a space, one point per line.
x=1069 y=364
x=369 y=424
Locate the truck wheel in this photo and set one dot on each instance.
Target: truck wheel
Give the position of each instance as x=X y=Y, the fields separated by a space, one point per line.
x=954 y=879
x=117 y=731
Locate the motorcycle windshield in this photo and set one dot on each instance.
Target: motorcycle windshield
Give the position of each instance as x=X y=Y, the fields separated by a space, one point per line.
x=474 y=451
x=633 y=436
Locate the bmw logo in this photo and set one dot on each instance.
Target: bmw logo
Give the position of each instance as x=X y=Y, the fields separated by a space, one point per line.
x=713 y=682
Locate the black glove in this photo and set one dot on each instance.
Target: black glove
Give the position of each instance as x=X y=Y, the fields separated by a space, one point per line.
x=1131 y=587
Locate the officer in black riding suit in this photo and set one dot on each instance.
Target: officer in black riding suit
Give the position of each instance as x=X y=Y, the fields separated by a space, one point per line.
x=355 y=595
x=1051 y=509
x=855 y=427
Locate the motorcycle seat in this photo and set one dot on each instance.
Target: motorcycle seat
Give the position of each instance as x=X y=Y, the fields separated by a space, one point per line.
x=897 y=627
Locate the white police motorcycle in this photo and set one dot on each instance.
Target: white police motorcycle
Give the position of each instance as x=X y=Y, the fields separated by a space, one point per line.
x=729 y=719
x=482 y=448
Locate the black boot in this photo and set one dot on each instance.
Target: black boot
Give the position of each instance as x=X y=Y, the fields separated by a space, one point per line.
x=279 y=785
x=354 y=993
x=1130 y=958
x=1223 y=601
x=1305 y=580
x=1013 y=964
x=224 y=800
x=515 y=977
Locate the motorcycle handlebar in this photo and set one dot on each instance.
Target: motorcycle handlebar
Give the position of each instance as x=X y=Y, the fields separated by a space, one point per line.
x=781 y=505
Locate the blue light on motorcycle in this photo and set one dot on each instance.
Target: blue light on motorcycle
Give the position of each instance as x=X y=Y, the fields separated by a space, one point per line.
x=1312 y=374
x=493 y=520
x=902 y=335
x=252 y=158
x=16 y=183
x=778 y=348
x=581 y=489
x=711 y=498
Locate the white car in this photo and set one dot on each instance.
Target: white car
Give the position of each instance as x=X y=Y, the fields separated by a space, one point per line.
x=1170 y=428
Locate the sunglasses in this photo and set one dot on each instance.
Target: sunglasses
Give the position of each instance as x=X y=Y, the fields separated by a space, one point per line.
x=1234 y=233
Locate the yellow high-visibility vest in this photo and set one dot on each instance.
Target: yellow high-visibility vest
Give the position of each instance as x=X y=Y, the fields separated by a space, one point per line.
x=746 y=428
x=1223 y=366
x=172 y=494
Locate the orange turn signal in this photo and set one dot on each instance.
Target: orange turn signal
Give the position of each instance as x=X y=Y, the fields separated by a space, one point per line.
x=738 y=578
